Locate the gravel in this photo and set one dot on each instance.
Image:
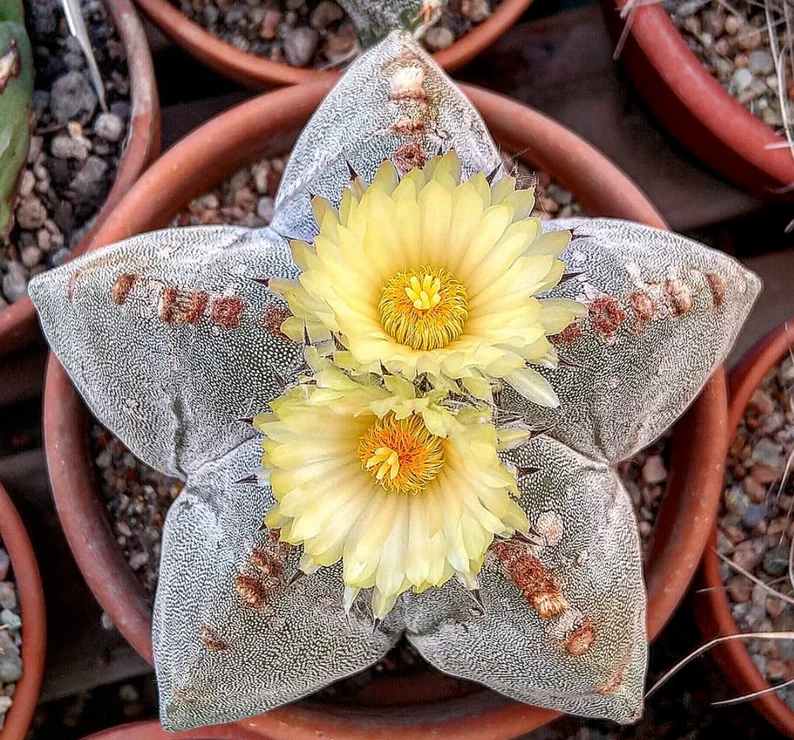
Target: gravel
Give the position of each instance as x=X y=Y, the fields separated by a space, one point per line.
x=313 y=33
x=755 y=526
x=10 y=637
x=735 y=49
x=137 y=498
x=75 y=147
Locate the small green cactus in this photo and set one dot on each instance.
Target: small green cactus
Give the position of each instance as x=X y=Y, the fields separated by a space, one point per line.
x=16 y=94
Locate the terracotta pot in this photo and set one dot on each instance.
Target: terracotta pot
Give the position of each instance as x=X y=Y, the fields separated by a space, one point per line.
x=34 y=623
x=255 y=71
x=18 y=324
x=712 y=609
x=425 y=706
x=694 y=106
x=153 y=731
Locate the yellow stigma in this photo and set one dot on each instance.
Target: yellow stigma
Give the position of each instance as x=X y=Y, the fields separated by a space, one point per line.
x=424 y=309
x=402 y=455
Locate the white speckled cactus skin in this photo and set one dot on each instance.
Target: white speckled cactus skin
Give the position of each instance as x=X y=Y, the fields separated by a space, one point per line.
x=172 y=344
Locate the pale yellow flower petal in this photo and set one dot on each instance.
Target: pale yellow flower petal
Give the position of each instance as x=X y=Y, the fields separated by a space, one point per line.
x=557 y=313
x=341 y=476
x=424 y=274
x=534 y=387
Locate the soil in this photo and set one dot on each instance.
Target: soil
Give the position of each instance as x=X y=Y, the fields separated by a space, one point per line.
x=10 y=637
x=137 y=498
x=313 y=33
x=75 y=146
x=755 y=527
x=735 y=48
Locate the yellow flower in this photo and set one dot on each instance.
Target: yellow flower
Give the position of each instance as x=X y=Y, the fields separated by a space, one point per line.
x=426 y=274
x=403 y=491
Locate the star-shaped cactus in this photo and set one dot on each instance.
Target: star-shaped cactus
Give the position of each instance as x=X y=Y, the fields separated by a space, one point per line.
x=179 y=338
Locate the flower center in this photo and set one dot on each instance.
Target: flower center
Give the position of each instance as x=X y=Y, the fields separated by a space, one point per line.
x=424 y=309
x=402 y=455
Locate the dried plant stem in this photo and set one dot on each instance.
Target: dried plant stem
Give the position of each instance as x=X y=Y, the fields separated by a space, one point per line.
x=754 y=695
x=627 y=12
x=77 y=27
x=755 y=579
x=779 y=58
x=713 y=643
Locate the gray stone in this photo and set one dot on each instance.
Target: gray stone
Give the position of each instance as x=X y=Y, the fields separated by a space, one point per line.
x=768 y=452
x=90 y=184
x=756 y=616
x=266 y=208
x=741 y=80
x=761 y=62
x=138 y=560
x=561 y=195
x=772 y=422
x=30 y=213
x=10 y=660
x=30 y=256
x=26 y=184
x=8 y=595
x=759 y=594
x=438 y=38
x=41 y=104
x=749 y=554
x=325 y=14
x=772 y=117
x=5 y=704
x=736 y=501
x=754 y=515
x=785 y=372
x=776 y=560
x=713 y=22
x=15 y=286
x=109 y=126
x=70 y=147
x=72 y=98
x=5 y=563
x=475 y=10
x=300 y=45
x=10 y=619
x=59 y=256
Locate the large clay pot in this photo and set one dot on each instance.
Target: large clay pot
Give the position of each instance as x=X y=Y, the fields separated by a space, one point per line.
x=254 y=71
x=713 y=611
x=25 y=574
x=18 y=324
x=694 y=106
x=425 y=706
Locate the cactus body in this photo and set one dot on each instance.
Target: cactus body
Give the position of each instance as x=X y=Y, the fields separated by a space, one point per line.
x=166 y=337
x=16 y=94
x=375 y=19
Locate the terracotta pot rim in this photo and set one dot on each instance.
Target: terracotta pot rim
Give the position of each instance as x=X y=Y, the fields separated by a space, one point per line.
x=34 y=621
x=254 y=71
x=18 y=321
x=598 y=184
x=681 y=70
x=712 y=608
